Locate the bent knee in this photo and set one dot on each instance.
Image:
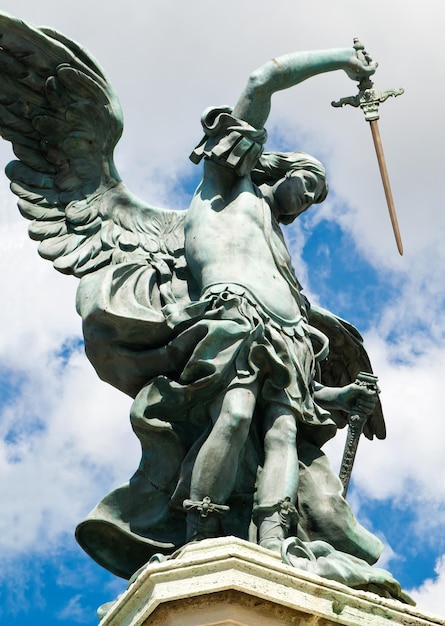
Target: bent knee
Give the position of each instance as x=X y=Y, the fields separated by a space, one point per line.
x=282 y=432
x=234 y=423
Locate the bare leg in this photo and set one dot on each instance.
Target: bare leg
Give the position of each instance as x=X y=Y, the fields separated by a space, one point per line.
x=279 y=478
x=216 y=464
x=277 y=488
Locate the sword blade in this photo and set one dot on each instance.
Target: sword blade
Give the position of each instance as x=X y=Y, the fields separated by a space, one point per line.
x=386 y=185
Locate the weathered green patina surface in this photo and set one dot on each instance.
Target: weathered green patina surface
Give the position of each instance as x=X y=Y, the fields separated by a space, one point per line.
x=197 y=315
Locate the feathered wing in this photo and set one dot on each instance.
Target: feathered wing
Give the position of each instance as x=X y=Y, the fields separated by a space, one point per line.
x=64 y=120
x=347 y=357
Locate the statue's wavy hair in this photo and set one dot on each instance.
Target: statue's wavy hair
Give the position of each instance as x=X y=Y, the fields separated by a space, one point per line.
x=272 y=166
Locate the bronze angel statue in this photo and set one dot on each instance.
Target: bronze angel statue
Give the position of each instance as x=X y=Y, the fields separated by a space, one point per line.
x=197 y=314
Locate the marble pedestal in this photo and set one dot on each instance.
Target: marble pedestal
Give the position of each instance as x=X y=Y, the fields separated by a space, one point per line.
x=230 y=582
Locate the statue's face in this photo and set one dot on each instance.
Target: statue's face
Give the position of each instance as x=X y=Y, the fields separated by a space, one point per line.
x=294 y=194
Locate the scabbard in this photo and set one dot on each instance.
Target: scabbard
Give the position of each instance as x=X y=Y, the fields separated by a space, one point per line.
x=355 y=429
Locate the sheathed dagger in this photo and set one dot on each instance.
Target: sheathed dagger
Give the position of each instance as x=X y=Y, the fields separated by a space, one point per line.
x=356 y=423
x=369 y=99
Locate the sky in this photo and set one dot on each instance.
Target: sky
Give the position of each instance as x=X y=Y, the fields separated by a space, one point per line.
x=65 y=437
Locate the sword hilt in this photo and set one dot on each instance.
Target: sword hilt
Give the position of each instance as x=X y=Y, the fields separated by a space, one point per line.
x=368 y=98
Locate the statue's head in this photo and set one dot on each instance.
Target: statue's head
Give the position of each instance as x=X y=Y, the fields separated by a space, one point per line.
x=290 y=174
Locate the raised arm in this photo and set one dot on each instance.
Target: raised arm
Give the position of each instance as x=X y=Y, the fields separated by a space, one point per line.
x=289 y=70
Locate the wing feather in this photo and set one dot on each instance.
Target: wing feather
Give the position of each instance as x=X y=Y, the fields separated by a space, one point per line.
x=32 y=211
x=38 y=230
x=43 y=197
x=57 y=247
x=31 y=156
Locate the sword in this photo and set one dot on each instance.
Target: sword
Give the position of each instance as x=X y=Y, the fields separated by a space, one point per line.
x=369 y=99
x=356 y=423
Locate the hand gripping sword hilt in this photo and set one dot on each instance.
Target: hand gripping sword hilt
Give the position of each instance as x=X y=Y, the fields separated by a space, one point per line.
x=368 y=98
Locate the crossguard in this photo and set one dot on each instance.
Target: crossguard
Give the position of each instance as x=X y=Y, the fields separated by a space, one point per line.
x=368 y=100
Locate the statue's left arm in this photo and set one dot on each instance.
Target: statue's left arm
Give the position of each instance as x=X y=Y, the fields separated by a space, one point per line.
x=289 y=70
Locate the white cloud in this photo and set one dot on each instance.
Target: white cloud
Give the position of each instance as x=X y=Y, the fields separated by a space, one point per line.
x=413 y=451
x=430 y=595
x=68 y=442
x=74 y=611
